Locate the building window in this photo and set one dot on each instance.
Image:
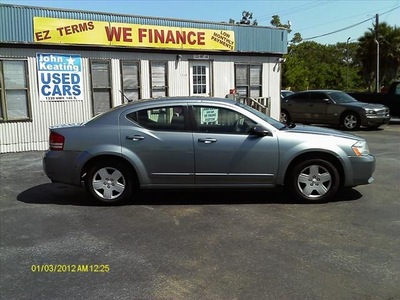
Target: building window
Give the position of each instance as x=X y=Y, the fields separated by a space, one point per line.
x=158 y=80
x=199 y=80
x=101 y=86
x=248 y=80
x=14 y=94
x=130 y=80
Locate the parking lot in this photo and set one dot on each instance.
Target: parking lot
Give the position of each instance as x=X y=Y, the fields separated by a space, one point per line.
x=205 y=244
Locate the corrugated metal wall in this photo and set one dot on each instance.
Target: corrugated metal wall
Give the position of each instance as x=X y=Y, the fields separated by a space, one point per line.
x=27 y=136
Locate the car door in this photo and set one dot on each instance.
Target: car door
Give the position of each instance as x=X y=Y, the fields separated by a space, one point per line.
x=298 y=106
x=160 y=144
x=225 y=152
x=318 y=106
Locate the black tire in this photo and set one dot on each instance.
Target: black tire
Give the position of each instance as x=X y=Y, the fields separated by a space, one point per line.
x=109 y=182
x=314 y=180
x=350 y=121
x=285 y=117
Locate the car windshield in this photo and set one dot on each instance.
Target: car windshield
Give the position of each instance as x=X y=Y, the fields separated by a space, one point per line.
x=341 y=97
x=273 y=122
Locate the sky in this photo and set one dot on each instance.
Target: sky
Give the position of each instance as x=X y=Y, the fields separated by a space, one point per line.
x=322 y=21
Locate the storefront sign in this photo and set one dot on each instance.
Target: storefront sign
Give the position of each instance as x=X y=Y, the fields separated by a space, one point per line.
x=60 y=77
x=81 y=32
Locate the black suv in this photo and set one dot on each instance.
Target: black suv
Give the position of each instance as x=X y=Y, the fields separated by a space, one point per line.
x=333 y=108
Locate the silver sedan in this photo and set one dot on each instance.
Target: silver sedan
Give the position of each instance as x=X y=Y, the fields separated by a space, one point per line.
x=203 y=142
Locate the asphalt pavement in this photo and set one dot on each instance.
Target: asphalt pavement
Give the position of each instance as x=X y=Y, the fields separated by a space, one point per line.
x=56 y=243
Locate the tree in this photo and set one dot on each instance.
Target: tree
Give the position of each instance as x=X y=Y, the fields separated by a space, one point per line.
x=276 y=22
x=310 y=65
x=389 y=55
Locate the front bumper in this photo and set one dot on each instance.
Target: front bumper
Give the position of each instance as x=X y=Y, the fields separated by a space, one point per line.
x=362 y=169
x=371 y=121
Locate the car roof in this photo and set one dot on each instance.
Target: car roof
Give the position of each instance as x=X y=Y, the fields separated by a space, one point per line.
x=320 y=91
x=179 y=99
x=162 y=101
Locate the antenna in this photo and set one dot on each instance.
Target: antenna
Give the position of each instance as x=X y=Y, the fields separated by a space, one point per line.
x=127 y=99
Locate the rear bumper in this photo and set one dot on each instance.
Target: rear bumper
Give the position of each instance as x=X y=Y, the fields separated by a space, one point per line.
x=57 y=166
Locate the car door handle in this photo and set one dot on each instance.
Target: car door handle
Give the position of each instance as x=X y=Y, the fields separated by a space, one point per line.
x=207 y=140
x=135 y=137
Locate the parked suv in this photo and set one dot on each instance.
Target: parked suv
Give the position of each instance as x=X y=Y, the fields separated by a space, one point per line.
x=334 y=108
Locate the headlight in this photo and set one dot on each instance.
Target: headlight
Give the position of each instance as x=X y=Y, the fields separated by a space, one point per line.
x=370 y=111
x=360 y=148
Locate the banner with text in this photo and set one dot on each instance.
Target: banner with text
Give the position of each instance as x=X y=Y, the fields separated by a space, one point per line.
x=59 y=76
x=81 y=32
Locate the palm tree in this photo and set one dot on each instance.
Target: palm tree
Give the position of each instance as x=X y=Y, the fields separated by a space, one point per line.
x=389 y=54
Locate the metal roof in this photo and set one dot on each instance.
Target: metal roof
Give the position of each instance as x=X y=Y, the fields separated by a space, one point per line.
x=16 y=26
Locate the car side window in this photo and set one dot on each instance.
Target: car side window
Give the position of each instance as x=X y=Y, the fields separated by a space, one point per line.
x=171 y=118
x=220 y=120
x=301 y=97
x=317 y=97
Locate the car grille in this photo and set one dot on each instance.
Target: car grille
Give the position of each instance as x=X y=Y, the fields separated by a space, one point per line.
x=383 y=112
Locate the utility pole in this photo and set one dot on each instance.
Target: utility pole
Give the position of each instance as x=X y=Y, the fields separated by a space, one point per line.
x=377 y=52
x=347 y=64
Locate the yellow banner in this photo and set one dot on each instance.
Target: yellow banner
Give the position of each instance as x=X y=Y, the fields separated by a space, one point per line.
x=81 y=32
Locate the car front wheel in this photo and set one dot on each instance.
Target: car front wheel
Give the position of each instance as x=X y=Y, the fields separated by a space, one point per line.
x=351 y=121
x=109 y=182
x=285 y=117
x=314 y=180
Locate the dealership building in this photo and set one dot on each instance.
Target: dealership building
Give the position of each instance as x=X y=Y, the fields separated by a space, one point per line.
x=62 y=66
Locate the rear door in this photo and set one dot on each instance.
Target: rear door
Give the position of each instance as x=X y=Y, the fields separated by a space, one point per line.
x=298 y=106
x=159 y=143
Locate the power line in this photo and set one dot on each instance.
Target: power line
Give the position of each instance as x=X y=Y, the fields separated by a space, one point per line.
x=336 y=31
x=295 y=9
x=348 y=27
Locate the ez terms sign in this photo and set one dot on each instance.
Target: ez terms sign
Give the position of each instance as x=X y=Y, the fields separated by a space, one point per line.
x=59 y=76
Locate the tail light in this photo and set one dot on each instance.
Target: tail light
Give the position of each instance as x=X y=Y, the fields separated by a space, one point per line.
x=56 y=141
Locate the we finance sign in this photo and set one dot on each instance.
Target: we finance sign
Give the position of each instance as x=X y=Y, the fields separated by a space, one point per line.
x=59 y=76
x=87 y=32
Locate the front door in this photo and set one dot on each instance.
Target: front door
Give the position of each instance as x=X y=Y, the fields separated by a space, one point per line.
x=225 y=152
x=200 y=78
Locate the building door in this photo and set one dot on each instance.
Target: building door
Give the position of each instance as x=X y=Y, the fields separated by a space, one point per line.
x=200 y=78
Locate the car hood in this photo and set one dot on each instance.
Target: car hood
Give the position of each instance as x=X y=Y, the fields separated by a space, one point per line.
x=299 y=128
x=364 y=105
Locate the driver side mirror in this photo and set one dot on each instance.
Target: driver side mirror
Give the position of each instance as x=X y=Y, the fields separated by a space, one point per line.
x=327 y=101
x=259 y=130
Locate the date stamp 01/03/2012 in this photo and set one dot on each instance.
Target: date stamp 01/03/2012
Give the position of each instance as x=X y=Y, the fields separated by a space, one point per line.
x=70 y=268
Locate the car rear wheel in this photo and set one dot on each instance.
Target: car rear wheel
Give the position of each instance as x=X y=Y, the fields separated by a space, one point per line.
x=285 y=117
x=109 y=182
x=351 y=121
x=314 y=180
